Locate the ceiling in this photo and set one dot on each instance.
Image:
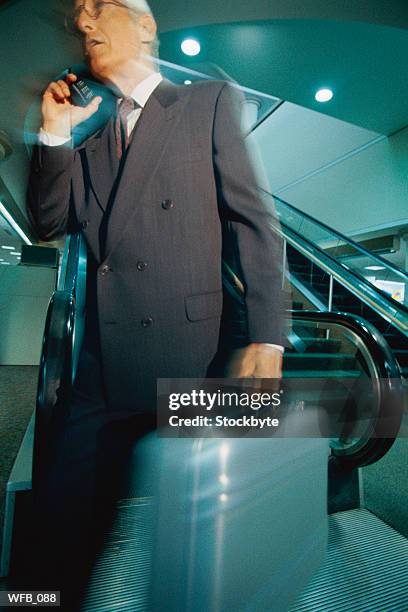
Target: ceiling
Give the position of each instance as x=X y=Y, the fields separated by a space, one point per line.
x=363 y=63
x=184 y=13
x=286 y=48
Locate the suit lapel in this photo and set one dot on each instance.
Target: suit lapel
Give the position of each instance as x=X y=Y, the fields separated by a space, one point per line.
x=151 y=134
x=101 y=164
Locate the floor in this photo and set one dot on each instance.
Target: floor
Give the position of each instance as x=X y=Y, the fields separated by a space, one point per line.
x=18 y=386
x=386 y=484
x=366 y=568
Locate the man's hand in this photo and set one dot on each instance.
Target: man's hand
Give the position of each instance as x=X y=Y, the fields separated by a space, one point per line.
x=255 y=361
x=59 y=115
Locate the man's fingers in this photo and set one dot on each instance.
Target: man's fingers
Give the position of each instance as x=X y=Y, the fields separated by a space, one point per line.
x=268 y=365
x=64 y=88
x=60 y=89
x=236 y=368
x=57 y=91
x=255 y=361
x=94 y=105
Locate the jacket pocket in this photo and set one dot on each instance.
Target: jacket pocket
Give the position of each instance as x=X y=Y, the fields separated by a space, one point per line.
x=203 y=306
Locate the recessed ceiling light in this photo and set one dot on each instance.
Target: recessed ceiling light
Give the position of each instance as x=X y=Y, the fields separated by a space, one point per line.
x=14 y=253
x=190 y=46
x=324 y=95
x=8 y=248
x=4 y=263
x=187 y=82
x=375 y=268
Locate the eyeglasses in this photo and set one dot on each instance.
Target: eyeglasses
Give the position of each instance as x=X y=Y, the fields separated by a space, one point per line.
x=72 y=19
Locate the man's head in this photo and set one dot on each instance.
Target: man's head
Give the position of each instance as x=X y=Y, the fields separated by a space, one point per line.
x=117 y=35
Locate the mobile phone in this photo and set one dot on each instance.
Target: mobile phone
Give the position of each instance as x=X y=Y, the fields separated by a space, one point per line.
x=81 y=91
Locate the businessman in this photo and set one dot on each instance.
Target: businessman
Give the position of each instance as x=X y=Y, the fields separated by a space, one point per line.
x=162 y=193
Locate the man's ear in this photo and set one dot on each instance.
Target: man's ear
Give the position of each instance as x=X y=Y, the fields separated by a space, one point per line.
x=149 y=28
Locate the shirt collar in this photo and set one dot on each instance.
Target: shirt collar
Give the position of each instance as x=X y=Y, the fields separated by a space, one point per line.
x=145 y=88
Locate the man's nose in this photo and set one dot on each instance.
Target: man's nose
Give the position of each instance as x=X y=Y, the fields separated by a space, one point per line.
x=86 y=22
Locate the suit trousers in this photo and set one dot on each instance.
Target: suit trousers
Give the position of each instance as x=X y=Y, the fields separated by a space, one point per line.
x=84 y=470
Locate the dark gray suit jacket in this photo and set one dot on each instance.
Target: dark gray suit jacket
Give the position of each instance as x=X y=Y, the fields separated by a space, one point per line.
x=187 y=197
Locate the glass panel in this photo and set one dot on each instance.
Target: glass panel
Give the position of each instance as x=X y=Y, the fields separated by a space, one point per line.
x=373 y=269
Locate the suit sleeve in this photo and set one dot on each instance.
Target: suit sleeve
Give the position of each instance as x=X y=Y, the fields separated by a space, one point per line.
x=49 y=190
x=250 y=245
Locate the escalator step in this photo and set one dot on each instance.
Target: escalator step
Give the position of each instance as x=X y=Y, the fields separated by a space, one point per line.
x=330 y=361
x=366 y=568
x=310 y=332
x=321 y=373
x=320 y=345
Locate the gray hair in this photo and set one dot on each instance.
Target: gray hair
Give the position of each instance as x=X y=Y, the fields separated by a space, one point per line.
x=141 y=7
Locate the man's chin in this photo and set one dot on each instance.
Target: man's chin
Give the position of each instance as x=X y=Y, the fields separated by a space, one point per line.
x=99 y=69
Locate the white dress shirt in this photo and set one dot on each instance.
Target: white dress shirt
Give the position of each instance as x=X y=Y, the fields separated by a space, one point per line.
x=140 y=94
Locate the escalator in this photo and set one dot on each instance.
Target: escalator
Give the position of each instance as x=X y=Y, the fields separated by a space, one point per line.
x=328 y=272
x=153 y=548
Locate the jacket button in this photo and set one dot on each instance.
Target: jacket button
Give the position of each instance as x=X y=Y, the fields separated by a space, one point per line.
x=147 y=322
x=167 y=204
x=141 y=265
x=84 y=224
x=104 y=270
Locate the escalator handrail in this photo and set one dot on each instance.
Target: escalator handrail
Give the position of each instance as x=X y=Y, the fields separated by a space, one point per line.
x=390 y=387
x=56 y=362
x=69 y=271
x=58 y=331
x=341 y=236
x=384 y=359
x=366 y=291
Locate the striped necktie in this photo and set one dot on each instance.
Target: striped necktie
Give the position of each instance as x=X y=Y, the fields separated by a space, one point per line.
x=126 y=106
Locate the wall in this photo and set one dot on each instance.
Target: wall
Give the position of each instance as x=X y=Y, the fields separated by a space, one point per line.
x=34 y=50
x=24 y=295
x=348 y=177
